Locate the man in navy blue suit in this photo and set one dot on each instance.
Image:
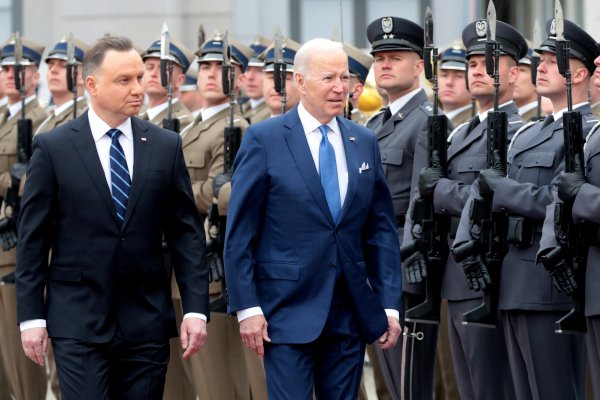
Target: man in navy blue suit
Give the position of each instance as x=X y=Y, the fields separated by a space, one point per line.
x=312 y=257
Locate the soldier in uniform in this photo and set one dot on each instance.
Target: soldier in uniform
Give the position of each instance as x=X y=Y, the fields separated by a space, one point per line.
x=57 y=84
x=4 y=383
x=157 y=108
x=27 y=380
x=272 y=98
x=525 y=94
x=529 y=303
x=453 y=94
x=189 y=94
x=359 y=64
x=474 y=347
x=219 y=370
x=401 y=129
x=255 y=109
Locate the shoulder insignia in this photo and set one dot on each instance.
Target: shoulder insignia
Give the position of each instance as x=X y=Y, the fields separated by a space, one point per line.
x=451 y=135
x=521 y=129
x=589 y=135
x=427 y=108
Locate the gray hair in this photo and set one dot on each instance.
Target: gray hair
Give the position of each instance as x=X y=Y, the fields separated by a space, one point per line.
x=95 y=55
x=312 y=48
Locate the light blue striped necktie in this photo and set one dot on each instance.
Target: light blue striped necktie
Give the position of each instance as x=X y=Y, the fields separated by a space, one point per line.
x=119 y=175
x=328 y=174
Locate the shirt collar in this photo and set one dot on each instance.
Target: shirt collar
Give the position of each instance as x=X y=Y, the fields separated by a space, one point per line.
x=559 y=114
x=208 y=112
x=527 y=107
x=99 y=127
x=4 y=101
x=154 y=111
x=256 y=102
x=397 y=104
x=16 y=108
x=311 y=124
x=454 y=113
x=59 y=110
x=484 y=114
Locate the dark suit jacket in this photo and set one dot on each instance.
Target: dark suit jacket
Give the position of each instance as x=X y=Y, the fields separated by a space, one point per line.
x=103 y=275
x=283 y=249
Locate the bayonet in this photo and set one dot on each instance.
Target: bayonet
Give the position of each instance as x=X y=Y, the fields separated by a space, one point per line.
x=491 y=20
x=72 y=65
x=535 y=62
x=279 y=69
x=166 y=77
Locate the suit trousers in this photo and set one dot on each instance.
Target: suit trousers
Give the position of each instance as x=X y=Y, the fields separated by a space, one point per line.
x=544 y=365
x=28 y=381
x=119 y=369
x=331 y=365
x=593 y=352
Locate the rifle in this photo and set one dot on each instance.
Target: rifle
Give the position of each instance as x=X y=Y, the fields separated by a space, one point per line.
x=570 y=236
x=217 y=222
x=432 y=242
x=72 y=67
x=280 y=70
x=166 y=78
x=490 y=242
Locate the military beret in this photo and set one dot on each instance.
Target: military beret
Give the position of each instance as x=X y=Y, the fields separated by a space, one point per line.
x=258 y=46
x=59 y=51
x=32 y=52
x=454 y=58
x=212 y=50
x=182 y=56
x=289 y=48
x=359 y=63
x=512 y=43
x=393 y=33
x=581 y=45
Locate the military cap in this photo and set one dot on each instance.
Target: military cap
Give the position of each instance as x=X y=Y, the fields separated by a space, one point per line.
x=59 y=51
x=393 y=33
x=32 y=52
x=182 y=56
x=454 y=57
x=288 y=51
x=259 y=45
x=212 y=50
x=512 y=43
x=581 y=45
x=359 y=63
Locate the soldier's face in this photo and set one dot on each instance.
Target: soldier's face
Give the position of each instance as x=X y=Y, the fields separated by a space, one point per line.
x=524 y=88
x=115 y=87
x=210 y=84
x=481 y=85
x=324 y=89
x=273 y=99
x=397 y=71
x=151 y=81
x=57 y=75
x=32 y=77
x=253 y=84
x=453 y=91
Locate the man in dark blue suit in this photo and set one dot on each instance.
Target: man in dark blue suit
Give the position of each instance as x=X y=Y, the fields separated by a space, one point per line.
x=311 y=255
x=101 y=192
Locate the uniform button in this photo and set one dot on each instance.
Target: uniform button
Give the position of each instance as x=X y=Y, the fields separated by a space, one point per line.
x=384 y=157
x=519 y=165
x=331 y=265
x=471 y=166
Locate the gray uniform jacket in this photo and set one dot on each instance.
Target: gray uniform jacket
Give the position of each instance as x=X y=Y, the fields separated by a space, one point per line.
x=466 y=157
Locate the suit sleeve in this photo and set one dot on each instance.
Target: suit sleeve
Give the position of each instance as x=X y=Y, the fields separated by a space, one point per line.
x=184 y=235
x=35 y=234
x=250 y=186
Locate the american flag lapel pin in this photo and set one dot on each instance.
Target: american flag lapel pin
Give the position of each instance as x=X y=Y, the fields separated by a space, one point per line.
x=351 y=138
x=144 y=139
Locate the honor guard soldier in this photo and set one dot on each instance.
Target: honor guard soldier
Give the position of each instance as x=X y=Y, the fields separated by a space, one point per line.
x=272 y=97
x=529 y=303
x=401 y=129
x=359 y=64
x=64 y=96
x=27 y=380
x=525 y=95
x=255 y=109
x=454 y=96
x=473 y=347
x=157 y=107
x=221 y=364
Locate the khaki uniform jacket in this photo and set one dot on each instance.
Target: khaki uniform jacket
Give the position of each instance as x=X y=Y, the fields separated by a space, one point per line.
x=462 y=117
x=596 y=109
x=260 y=113
x=54 y=121
x=179 y=111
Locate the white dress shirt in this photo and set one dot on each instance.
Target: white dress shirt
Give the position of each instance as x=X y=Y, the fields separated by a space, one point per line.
x=15 y=109
x=401 y=102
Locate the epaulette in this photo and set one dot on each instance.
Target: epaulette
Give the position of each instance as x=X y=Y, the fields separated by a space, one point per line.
x=373 y=116
x=451 y=135
x=589 y=119
x=589 y=135
x=521 y=129
x=427 y=108
x=514 y=119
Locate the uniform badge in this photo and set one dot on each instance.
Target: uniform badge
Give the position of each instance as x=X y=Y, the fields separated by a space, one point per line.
x=387 y=24
x=481 y=28
x=553 y=27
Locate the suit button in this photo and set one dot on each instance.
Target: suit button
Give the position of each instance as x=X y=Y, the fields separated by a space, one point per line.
x=331 y=265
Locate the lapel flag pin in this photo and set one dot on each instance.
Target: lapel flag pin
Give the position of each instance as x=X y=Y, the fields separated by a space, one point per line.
x=352 y=138
x=144 y=139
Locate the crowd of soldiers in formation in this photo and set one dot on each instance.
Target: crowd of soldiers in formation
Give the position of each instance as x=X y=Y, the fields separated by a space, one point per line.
x=518 y=355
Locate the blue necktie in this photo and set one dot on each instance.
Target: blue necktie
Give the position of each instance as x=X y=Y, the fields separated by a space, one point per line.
x=328 y=174
x=119 y=175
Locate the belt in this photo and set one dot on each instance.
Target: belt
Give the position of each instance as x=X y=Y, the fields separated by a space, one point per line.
x=400 y=220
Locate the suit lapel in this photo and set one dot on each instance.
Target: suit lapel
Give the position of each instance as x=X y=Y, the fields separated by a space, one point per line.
x=414 y=102
x=86 y=148
x=461 y=142
x=351 y=160
x=298 y=145
x=537 y=138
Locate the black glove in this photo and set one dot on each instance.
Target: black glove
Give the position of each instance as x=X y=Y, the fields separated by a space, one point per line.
x=415 y=267
x=563 y=277
x=478 y=277
x=569 y=183
x=219 y=181
x=488 y=178
x=8 y=234
x=430 y=176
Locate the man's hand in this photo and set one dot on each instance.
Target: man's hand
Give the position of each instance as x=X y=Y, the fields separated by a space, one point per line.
x=390 y=337
x=488 y=178
x=569 y=183
x=35 y=344
x=193 y=335
x=478 y=277
x=254 y=331
x=430 y=176
x=415 y=267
